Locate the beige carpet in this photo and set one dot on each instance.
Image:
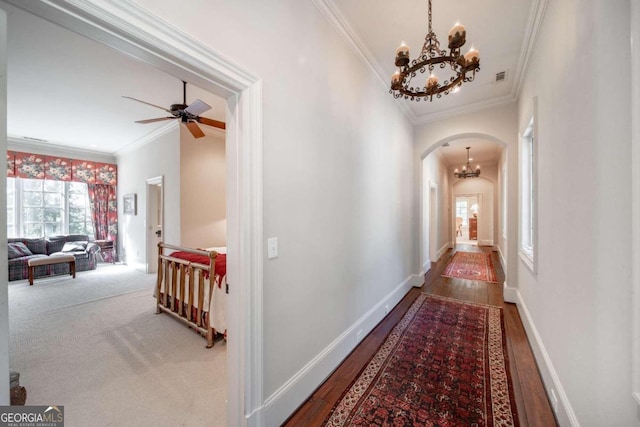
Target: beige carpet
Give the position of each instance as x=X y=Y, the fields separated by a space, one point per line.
x=108 y=358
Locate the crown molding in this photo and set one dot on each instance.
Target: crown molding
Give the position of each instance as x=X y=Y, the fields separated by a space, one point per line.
x=538 y=9
x=48 y=148
x=465 y=109
x=344 y=30
x=144 y=140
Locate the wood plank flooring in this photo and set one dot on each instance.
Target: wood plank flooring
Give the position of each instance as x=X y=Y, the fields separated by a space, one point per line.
x=531 y=400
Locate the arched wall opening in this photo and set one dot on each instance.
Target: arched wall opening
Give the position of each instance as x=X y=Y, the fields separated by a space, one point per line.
x=438 y=216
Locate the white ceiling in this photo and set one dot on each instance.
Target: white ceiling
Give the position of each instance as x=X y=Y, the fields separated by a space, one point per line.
x=498 y=29
x=482 y=152
x=67 y=89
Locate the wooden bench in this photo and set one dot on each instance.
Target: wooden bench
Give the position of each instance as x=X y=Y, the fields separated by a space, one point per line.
x=52 y=259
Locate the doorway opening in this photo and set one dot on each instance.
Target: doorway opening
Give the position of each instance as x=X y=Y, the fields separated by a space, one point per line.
x=467 y=210
x=130 y=32
x=155 y=218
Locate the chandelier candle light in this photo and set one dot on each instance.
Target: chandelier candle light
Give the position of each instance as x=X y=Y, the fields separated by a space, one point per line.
x=464 y=66
x=467 y=172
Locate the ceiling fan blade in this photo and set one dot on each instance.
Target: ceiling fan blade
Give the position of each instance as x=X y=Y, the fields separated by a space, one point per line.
x=194 y=129
x=197 y=107
x=211 y=122
x=144 y=102
x=159 y=119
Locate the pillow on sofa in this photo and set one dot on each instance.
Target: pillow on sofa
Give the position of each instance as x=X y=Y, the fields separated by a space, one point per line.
x=18 y=249
x=55 y=245
x=74 y=246
x=36 y=246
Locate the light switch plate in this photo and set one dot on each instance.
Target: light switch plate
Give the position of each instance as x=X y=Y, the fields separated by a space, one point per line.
x=272 y=248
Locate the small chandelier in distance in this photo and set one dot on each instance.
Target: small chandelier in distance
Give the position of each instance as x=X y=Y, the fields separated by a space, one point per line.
x=430 y=56
x=467 y=172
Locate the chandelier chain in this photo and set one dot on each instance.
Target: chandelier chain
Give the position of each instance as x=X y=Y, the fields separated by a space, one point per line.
x=430 y=29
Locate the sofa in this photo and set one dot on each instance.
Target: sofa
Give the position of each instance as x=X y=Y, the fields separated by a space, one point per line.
x=21 y=250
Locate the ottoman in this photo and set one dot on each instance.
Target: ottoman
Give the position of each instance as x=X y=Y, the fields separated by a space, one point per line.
x=52 y=259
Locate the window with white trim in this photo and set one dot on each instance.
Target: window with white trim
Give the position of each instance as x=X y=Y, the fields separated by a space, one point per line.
x=527 y=196
x=504 y=202
x=38 y=208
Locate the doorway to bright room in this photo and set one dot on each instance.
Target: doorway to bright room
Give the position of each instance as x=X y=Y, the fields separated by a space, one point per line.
x=466 y=219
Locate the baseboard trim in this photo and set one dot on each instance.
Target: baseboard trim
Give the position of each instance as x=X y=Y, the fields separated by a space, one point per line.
x=509 y=294
x=443 y=249
x=485 y=242
x=564 y=412
x=502 y=260
x=284 y=401
x=426 y=266
x=417 y=280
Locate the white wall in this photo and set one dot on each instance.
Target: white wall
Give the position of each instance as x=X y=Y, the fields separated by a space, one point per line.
x=497 y=124
x=435 y=173
x=502 y=205
x=159 y=157
x=338 y=182
x=579 y=302
x=202 y=190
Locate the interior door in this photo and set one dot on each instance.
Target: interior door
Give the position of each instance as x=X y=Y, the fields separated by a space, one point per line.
x=154 y=222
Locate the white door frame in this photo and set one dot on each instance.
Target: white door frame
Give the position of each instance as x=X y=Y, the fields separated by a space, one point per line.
x=150 y=255
x=126 y=26
x=4 y=288
x=454 y=198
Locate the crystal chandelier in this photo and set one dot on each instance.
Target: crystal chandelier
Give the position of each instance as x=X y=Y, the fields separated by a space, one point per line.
x=467 y=172
x=464 y=66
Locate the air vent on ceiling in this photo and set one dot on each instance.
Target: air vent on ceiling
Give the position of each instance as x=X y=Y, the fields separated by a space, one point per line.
x=501 y=76
x=34 y=139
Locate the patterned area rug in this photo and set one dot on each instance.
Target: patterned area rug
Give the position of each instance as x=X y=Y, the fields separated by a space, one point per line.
x=444 y=364
x=471 y=266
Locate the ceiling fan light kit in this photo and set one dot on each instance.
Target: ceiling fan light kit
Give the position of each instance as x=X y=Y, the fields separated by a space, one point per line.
x=464 y=66
x=467 y=172
x=189 y=115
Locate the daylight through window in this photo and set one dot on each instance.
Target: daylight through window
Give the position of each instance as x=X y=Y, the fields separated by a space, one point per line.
x=38 y=208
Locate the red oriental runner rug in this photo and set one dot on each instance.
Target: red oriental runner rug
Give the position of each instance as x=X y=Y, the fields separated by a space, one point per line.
x=471 y=266
x=444 y=364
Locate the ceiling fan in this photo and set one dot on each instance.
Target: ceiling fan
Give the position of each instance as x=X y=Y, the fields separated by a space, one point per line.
x=189 y=115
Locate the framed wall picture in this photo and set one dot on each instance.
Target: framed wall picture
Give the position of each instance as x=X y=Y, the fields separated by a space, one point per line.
x=129 y=204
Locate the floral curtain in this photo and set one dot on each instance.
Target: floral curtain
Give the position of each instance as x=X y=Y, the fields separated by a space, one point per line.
x=105 y=213
x=83 y=171
x=37 y=166
x=57 y=168
x=11 y=164
x=106 y=173
x=29 y=165
x=101 y=178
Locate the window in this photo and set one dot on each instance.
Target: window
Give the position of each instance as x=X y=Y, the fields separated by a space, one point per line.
x=37 y=208
x=528 y=197
x=461 y=211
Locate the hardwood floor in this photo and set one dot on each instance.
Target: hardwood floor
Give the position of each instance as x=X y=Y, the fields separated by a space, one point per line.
x=531 y=400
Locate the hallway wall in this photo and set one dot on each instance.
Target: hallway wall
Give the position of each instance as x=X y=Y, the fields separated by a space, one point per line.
x=338 y=184
x=578 y=304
